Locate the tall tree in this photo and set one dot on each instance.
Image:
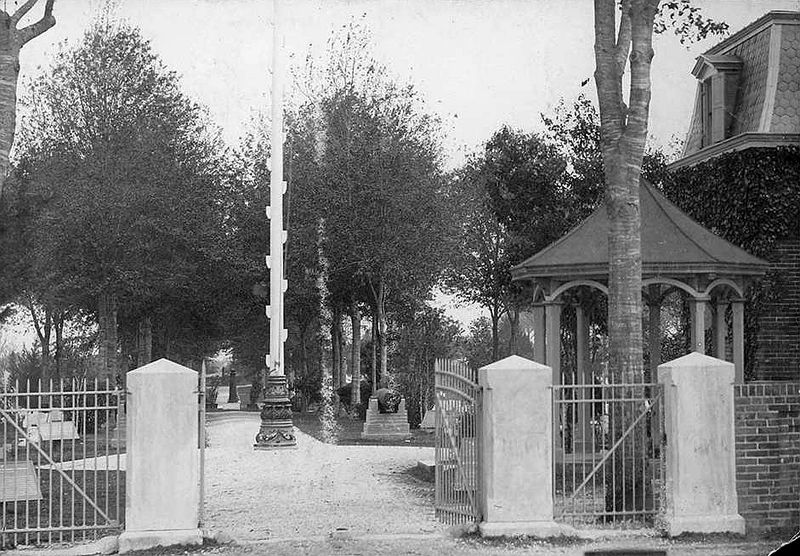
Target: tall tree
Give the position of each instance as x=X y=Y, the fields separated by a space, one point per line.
x=128 y=175
x=381 y=183
x=623 y=132
x=626 y=40
x=386 y=195
x=480 y=266
x=12 y=39
x=623 y=40
x=513 y=202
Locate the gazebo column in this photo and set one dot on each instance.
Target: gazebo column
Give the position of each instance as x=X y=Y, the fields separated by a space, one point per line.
x=720 y=330
x=738 y=340
x=552 y=311
x=698 y=310
x=654 y=325
x=582 y=437
x=539 y=327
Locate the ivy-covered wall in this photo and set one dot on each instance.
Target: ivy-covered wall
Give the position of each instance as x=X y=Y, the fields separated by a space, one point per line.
x=752 y=199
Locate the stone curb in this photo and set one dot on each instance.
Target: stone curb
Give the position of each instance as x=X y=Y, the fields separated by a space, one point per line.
x=104 y=545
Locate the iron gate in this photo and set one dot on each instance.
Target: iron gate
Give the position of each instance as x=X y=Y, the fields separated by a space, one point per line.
x=61 y=461
x=458 y=406
x=607 y=458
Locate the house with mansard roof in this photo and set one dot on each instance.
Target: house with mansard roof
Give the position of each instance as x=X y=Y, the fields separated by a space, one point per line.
x=740 y=167
x=748 y=90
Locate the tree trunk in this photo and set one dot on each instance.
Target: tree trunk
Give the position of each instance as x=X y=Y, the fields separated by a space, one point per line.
x=623 y=131
x=107 y=320
x=9 y=76
x=12 y=40
x=144 y=343
x=374 y=332
x=336 y=360
x=59 y=348
x=495 y=316
x=355 y=354
x=513 y=325
x=43 y=330
x=380 y=310
x=343 y=358
x=304 y=350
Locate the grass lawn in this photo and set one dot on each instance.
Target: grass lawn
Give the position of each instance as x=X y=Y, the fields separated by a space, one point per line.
x=346 y=431
x=62 y=506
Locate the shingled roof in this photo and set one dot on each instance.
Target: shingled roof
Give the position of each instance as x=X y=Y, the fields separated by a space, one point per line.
x=761 y=105
x=672 y=244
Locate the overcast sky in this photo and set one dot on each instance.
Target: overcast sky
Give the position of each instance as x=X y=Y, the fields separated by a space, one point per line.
x=478 y=63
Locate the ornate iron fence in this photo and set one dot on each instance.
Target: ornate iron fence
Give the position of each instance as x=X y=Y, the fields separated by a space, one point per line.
x=607 y=458
x=458 y=407
x=62 y=461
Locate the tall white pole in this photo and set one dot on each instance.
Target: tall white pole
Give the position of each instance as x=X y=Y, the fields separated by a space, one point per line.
x=276 y=429
x=276 y=189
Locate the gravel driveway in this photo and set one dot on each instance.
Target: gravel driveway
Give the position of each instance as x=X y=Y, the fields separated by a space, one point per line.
x=314 y=490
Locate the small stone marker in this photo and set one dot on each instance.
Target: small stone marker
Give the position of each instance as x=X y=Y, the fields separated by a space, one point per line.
x=18 y=482
x=429 y=421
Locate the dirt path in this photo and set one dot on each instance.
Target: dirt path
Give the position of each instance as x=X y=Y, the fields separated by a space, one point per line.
x=313 y=490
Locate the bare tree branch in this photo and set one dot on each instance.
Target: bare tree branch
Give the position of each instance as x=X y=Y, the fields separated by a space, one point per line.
x=22 y=10
x=35 y=29
x=608 y=80
x=642 y=16
x=624 y=37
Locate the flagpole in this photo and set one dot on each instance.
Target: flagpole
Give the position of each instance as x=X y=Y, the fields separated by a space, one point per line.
x=276 y=415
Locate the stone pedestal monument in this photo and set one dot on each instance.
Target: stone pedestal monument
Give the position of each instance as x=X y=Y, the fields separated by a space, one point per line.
x=387 y=418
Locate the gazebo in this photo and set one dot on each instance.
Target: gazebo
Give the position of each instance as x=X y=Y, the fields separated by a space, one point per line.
x=677 y=253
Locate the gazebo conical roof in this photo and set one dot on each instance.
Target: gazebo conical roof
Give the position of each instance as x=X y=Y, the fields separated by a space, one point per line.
x=672 y=245
x=677 y=252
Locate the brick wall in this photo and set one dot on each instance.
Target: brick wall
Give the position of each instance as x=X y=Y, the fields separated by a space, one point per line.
x=778 y=353
x=768 y=454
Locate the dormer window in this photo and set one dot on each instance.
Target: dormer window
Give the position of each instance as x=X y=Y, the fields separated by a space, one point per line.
x=707 y=112
x=746 y=91
x=719 y=80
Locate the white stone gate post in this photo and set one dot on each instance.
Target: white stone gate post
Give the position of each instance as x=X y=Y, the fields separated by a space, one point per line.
x=516 y=449
x=700 y=446
x=163 y=466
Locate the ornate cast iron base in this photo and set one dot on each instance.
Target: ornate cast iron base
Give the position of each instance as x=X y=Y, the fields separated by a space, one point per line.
x=276 y=417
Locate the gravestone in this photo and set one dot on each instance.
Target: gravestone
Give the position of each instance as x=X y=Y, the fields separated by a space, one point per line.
x=223 y=395
x=58 y=430
x=18 y=482
x=49 y=425
x=429 y=421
